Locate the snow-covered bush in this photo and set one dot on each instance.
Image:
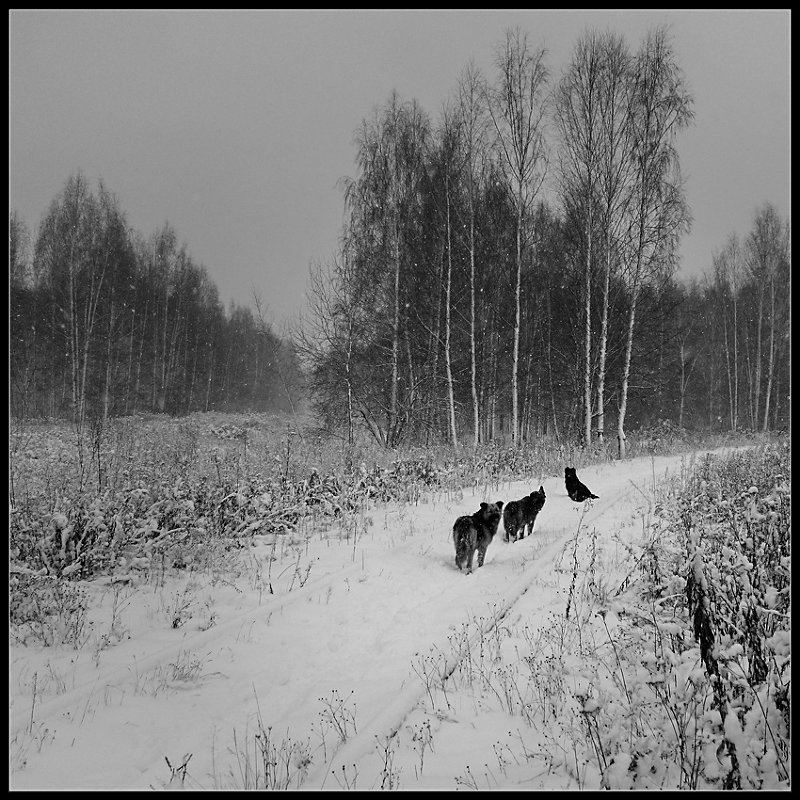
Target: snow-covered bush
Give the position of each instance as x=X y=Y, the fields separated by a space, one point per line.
x=47 y=610
x=703 y=675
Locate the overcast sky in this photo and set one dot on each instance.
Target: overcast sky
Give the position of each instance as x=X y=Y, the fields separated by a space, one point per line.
x=235 y=126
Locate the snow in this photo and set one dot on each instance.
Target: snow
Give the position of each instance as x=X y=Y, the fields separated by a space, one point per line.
x=367 y=667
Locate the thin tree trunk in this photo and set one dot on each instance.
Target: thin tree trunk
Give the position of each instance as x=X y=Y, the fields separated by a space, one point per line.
x=776 y=405
x=154 y=394
x=587 y=378
x=139 y=358
x=626 y=375
x=173 y=359
x=527 y=400
x=450 y=398
x=684 y=381
x=348 y=378
x=517 y=314
x=661 y=369
x=550 y=365
x=392 y=420
x=91 y=316
x=162 y=388
x=130 y=360
x=194 y=373
x=771 y=365
x=435 y=342
x=107 y=392
x=210 y=377
x=472 y=354
x=412 y=382
x=735 y=360
x=757 y=390
x=73 y=335
x=601 y=376
x=683 y=389
x=731 y=404
x=750 y=381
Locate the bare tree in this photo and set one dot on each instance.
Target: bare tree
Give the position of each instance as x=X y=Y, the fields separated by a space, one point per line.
x=727 y=268
x=23 y=315
x=391 y=149
x=517 y=109
x=450 y=135
x=615 y=178
x=471 y=90
x=766 y=249
x=578 y=121
x=76 y=255
x=662 y=107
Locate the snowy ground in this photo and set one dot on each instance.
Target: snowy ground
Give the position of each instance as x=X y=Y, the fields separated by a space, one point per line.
x=374 y=664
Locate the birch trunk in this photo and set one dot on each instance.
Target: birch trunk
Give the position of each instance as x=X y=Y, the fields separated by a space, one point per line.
x=472 y=355
x=587 y=377
x=448 y=367
x=757 y=387
x=517 y=315
x=601 y=373
x=392 y=417
x=623 y=406
x=771 y=365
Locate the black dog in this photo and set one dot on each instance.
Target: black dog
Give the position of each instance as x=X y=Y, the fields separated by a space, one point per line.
x=519 y=514
x=471 y=533
x=575 y=489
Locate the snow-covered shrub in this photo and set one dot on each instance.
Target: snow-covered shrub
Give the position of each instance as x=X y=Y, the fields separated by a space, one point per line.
x=681 y=678
x=708 y=668
x=47 y=610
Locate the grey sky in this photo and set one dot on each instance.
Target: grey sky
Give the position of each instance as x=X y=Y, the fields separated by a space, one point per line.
x=236 y=125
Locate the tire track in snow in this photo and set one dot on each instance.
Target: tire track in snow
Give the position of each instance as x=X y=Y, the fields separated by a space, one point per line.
x=391 y=718
x=389 y=721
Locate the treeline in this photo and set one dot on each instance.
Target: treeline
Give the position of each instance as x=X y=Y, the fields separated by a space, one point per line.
x=106 y=322
x=509 y=269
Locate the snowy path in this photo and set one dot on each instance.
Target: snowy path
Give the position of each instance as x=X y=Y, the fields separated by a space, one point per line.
x=357 y=625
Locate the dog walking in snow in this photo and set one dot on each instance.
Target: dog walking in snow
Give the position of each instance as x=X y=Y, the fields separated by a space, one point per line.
x=575 y=489
x=521 y=514
x=475 y=532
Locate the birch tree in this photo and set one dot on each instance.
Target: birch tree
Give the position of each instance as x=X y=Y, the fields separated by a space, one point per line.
x=391 y=148
x=662 y=107
x=727 y=267
x=614 y=184
x=471 y=90
x=578 y=122
x=766 y=249
x=449 y=135
x=517 y=110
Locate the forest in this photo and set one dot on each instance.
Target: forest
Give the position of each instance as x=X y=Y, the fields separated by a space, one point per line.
x=106 y=322
x=507 y=270
x=511 y=268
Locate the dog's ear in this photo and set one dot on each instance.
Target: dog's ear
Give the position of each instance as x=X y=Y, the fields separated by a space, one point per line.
x=484 y=506
x=499 y=505
x=541 y=490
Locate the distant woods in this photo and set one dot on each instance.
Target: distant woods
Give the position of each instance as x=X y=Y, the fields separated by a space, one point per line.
x=105 y=322
x=509 y=268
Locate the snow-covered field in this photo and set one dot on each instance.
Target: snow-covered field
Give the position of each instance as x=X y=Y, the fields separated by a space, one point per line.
x=374 y=663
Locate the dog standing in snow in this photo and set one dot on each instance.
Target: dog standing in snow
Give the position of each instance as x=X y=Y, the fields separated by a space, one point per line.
x=575 y=489
x=521 y=514
x=475 y=532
